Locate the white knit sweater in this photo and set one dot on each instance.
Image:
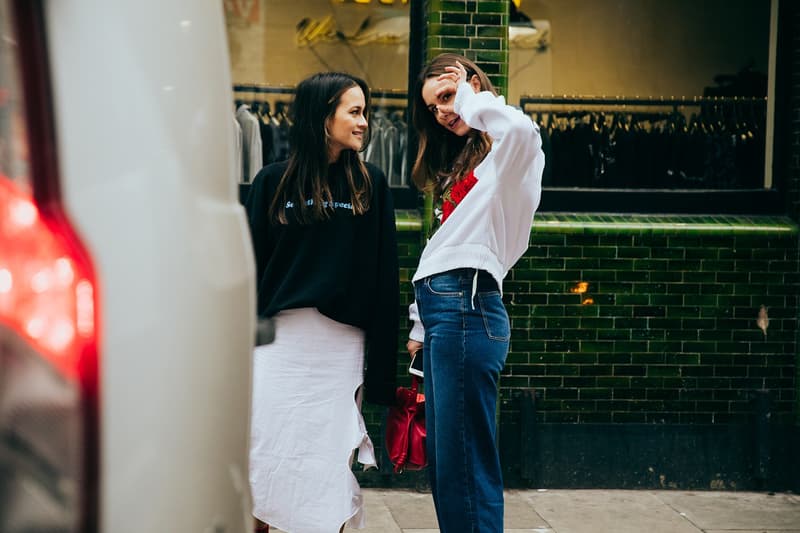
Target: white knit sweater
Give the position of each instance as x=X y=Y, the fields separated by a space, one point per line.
x=490 y=229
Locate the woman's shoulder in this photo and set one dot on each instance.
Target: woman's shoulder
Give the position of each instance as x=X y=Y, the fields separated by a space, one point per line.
x=269 y=176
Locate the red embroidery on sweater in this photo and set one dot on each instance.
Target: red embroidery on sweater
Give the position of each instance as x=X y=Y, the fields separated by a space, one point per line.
x=453 y=196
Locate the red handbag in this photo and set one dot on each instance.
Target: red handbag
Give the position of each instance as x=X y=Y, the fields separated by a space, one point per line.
x=405 y=429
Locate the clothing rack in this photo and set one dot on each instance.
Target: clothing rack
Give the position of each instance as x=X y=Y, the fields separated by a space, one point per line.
x=239 y=88
x=255 y=88
x=651 y=143
x=637 y=101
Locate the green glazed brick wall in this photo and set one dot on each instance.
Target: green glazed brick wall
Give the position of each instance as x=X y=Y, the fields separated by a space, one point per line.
x=664 y=331
x=477 y=29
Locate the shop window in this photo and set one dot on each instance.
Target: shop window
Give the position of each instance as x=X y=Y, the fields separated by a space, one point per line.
x=647 y=105
x=274 y=44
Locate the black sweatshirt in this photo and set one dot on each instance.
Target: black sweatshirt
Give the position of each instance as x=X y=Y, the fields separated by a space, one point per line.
x=345 y=266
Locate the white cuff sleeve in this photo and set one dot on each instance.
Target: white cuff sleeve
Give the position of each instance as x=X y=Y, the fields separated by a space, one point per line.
x=417 y=332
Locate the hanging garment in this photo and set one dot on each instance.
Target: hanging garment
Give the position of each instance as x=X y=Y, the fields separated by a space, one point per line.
x=251 y=142
x=238 y=170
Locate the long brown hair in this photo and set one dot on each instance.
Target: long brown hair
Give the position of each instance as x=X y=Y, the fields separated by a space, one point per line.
x=305 y=182
x=443 y=158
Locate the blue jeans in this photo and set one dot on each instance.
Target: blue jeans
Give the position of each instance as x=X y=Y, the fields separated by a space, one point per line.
x=466 y=343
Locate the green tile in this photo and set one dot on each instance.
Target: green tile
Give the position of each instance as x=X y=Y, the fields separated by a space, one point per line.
x=455 y=43
x=485 y=6
x=446 y=5
x=612 y=334
x=491 y=31
x=480 y=43
x=668 y=276
x=663 y=371
x=671 y=299
x=597 y=346
x=488 y=56
x=446 y=30
x=491 y=69
x=483 y=19
x=456 y=18
x=651 y=264
x=633 y=299
x=600 y=252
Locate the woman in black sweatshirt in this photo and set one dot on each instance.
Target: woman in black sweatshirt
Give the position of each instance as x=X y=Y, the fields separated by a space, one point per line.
x=323 y=232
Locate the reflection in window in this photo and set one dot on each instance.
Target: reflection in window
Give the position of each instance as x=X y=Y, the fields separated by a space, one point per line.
x=706 y=143
x=642 y=94
x=274 y=44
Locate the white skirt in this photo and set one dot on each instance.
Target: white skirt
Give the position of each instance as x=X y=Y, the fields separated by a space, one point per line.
x=306 y=423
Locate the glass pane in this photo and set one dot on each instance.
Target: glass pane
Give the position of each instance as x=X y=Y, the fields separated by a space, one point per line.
x=274 y=44
x=644 y=93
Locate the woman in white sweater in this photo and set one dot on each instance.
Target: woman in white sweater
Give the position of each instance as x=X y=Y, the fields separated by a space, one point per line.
x=483 y=162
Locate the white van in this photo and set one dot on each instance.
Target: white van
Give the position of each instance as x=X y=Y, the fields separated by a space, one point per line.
x=127 y=297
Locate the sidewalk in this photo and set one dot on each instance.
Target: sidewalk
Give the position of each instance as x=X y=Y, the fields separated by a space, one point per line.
x=601 y=511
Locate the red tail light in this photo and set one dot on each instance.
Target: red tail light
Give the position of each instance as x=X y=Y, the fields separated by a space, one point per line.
x=46 y=283
x=48 y=313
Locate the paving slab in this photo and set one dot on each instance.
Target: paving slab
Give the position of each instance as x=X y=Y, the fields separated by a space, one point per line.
x=378 y=517
x=411 y=510
x=720 y=511
x=620 y=511
x=520 y=514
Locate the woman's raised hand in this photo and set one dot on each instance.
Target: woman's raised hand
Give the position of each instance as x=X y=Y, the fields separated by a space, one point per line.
x=457 y=74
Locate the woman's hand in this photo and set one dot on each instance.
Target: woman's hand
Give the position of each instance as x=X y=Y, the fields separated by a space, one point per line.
x=457 y=74
x=447 y=86
x=412 y=347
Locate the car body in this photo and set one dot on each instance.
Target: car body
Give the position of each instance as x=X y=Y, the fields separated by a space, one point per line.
x=118 y=139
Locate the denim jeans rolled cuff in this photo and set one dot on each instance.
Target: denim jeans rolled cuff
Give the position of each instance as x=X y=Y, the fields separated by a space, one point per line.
x=466 y=343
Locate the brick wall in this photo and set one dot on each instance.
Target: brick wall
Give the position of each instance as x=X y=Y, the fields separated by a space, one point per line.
x=665 y=332
x=477 y=29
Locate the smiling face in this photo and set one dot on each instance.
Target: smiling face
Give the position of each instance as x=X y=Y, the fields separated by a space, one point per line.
x=439 y=96
x=348 y=124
